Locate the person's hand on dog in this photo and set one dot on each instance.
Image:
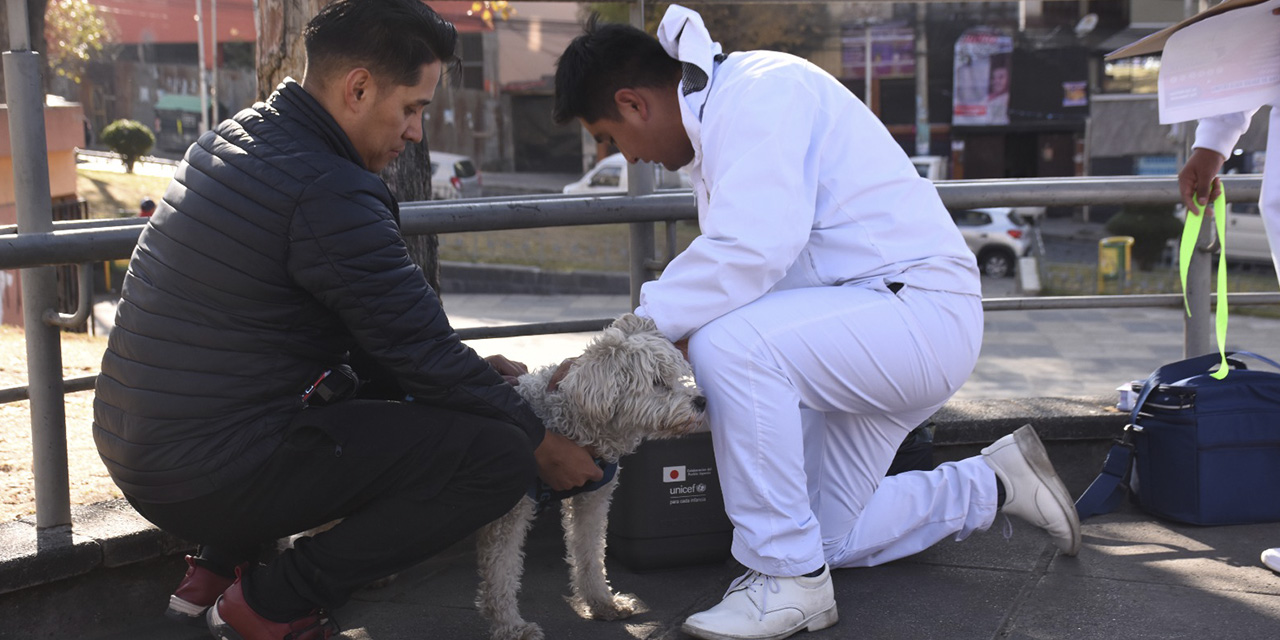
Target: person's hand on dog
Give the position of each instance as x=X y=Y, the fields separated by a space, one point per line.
x=559 y=374
x=1198 y=180
x=510 y=370
x=564 y=465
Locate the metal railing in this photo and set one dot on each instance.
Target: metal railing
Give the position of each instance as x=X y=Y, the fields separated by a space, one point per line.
x=86 y=242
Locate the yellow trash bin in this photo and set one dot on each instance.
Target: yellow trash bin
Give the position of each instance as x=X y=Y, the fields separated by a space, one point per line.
x=1114 y=263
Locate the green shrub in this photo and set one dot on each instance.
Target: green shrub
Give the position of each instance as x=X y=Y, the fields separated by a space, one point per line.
x=129 y=138
x=1150 y=226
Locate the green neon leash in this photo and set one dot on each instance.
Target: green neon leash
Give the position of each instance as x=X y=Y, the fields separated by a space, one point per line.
x=1190 y=233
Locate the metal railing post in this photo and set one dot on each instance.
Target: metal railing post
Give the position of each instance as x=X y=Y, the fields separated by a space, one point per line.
x=640 y=182
x=1198 y=331
x=39 y=285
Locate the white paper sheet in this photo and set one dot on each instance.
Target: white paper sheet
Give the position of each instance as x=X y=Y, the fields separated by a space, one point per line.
x=1225 y=64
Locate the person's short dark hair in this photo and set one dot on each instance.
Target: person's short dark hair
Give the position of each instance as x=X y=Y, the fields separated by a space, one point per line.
x=390 y=38
x=604 y=59
x=148 y=204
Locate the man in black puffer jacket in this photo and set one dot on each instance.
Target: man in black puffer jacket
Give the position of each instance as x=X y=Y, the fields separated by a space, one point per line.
x=274 y=255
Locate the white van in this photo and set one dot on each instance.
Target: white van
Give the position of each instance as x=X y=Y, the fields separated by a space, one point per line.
x=610 y=176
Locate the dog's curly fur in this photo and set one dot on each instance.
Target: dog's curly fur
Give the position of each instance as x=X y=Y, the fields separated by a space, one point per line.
x=629 y=385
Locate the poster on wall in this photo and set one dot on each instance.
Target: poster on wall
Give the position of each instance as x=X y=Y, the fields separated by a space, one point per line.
x=983 y=73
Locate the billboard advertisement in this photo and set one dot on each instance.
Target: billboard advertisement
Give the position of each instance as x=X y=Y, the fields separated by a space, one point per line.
x=983 y=74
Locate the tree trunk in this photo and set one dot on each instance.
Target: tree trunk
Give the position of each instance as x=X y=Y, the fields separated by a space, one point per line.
x=281 y=54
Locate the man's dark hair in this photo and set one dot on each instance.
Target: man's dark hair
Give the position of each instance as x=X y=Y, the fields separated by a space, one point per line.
x=604 y=59
x=390 y=38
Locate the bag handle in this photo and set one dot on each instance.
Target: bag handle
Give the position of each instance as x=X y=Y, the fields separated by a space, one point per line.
x=1190 y=233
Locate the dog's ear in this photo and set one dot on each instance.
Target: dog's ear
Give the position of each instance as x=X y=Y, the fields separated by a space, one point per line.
x=591 y=386
x=630 y=324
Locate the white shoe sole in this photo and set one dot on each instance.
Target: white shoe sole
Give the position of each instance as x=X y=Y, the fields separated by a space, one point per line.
x=1033 y=450
x=815 y=622
x=218 y=627
x=184 y=612
x=1271 y=559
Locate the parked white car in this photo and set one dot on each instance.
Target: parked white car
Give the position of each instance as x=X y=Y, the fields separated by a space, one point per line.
x=1246 y=237
x=998 y=236
x=610 y=176
x=453 y=176
x=931 y=167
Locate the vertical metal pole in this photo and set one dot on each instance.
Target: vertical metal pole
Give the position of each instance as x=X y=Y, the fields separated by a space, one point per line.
x=1198 y=332
x=640 y=182
x=200 y=77
x=213 y=36
x=923 y=134
x=39 y=285
x=866 y=60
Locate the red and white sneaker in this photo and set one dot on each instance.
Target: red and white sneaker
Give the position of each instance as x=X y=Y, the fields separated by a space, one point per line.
x=231 y=618
x=198 y=590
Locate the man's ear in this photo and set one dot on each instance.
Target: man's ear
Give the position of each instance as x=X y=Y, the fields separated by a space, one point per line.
x=631 y=102
x=358 y=89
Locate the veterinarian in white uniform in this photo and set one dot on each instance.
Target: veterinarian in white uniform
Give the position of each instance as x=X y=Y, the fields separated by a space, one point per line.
x=806 y=222
x=1216 y=137
x=831 y=306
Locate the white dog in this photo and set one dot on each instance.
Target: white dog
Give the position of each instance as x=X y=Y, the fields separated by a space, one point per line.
x=629 y=385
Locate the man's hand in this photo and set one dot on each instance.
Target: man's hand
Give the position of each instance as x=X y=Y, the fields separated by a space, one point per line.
x=564 y=465
x=559 y=374
x=1198 y=180
x=510 y=370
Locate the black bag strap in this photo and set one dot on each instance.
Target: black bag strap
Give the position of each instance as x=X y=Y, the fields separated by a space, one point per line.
x=1105 y=492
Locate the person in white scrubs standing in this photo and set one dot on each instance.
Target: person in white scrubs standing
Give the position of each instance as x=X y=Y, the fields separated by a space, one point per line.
x=1198 y=182
x=828 y=307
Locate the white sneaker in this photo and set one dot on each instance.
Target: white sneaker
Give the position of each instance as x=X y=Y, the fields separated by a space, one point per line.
x=761 y=607
x=1271 y=558
x=1033 y=491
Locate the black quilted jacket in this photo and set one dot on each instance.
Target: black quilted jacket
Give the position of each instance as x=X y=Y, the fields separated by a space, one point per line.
x=274 y=253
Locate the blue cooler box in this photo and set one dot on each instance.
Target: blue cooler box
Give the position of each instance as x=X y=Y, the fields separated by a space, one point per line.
x=668 y=510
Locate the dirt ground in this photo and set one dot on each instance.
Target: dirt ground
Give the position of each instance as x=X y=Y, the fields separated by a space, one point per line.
x=88 y=479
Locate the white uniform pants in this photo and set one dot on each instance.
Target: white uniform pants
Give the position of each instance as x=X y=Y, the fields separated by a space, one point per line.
x=809 y=394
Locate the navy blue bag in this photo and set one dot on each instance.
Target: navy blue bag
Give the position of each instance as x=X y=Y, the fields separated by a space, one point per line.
x=1197 y=449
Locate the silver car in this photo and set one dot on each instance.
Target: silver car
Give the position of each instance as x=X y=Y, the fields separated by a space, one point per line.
x=998 y=236
x=453 y=176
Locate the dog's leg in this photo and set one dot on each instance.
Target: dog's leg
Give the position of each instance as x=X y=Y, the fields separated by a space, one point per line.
x=585 y=519
x=500 y=560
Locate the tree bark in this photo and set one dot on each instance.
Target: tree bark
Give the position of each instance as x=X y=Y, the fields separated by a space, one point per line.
x=281 y=53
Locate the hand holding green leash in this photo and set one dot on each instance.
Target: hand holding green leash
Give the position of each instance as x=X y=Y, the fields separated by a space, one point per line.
x=1191 y=233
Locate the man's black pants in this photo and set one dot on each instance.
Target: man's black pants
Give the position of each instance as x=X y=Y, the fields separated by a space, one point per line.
x=408 y=479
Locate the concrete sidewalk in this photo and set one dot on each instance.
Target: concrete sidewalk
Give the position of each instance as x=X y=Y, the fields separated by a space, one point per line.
x=1135 y=578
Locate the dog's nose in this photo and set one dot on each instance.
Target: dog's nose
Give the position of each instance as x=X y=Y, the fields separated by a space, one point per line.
x=700 y=403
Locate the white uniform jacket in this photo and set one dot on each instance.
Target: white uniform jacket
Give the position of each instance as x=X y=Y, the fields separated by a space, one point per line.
x=797 y=184
x=1221 y=133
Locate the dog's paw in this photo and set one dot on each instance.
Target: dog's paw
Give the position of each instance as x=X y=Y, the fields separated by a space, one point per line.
x=522 y=631
x=616 y=607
